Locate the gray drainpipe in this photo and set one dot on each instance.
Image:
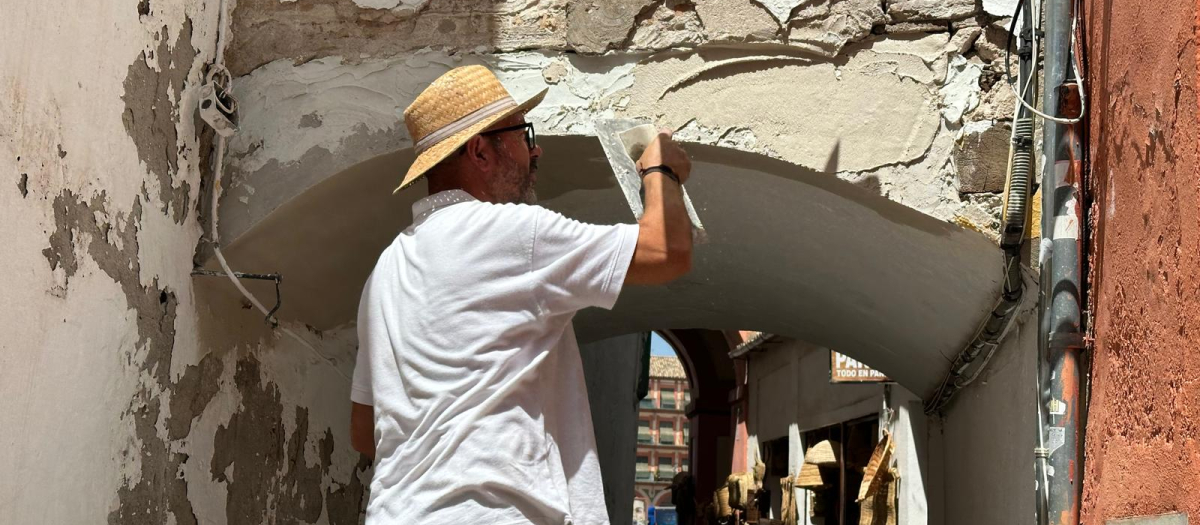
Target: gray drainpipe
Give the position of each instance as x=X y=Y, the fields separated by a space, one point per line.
x=1061 y=335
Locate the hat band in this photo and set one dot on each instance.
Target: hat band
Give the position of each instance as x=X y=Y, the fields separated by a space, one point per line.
x=468 y=120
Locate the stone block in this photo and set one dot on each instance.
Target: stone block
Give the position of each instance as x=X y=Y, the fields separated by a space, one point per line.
x=981 y=156
x=668 y=27
x=595 y=26
x=736 y=20
x=998 y=102
x=845 y=21
x=962 y=40
x=990 y=45
x=979 y=20
x=908 y=10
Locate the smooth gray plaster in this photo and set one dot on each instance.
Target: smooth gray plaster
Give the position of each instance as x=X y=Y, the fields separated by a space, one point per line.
x=790 y=251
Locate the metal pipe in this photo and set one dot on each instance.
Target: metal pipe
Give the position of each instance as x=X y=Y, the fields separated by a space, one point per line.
x=1060 y=300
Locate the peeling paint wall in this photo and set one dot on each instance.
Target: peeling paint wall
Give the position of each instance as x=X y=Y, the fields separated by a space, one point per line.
x=141 y=393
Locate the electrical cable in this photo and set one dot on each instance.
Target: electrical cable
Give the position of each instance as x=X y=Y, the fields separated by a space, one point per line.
x=214 y=235
x=222 y=24
x=1076 y=68
x=237 y=283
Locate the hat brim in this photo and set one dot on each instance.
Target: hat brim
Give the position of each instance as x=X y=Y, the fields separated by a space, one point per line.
x=438 y=152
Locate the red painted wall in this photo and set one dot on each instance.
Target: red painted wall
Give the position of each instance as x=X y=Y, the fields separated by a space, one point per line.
x=1143 y=435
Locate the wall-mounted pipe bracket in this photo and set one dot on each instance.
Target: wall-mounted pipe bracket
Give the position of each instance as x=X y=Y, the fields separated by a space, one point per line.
x=271 y=320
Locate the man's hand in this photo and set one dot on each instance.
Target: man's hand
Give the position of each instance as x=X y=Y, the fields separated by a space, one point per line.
x=665 y=152
x=664 y=244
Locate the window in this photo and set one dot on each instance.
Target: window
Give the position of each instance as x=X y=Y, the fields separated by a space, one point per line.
x=644 y=432
x=668 y=398
x=643 y=468
x=666 y=433
x=666 y=467
x=646 y=402
x=685 y=432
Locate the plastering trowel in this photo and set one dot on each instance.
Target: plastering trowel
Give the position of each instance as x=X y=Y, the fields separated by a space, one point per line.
x=623 y=141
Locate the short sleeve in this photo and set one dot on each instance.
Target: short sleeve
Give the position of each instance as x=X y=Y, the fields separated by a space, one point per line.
x=360 y=389
x=360 y=386
x=578 y=265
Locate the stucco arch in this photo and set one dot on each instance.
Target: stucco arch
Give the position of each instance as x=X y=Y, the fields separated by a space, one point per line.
x=792 y=252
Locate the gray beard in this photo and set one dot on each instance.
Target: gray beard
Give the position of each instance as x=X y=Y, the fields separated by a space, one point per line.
x=530 y=197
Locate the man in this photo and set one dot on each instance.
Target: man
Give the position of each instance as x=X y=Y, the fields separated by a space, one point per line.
x=468 y=390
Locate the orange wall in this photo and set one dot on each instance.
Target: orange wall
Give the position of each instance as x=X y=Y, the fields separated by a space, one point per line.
x=1142 y=451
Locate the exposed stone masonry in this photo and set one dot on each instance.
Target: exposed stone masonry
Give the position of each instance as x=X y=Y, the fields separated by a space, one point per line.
x=854 y=61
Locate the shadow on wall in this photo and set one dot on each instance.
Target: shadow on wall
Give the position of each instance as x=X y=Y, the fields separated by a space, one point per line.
x=791 y=251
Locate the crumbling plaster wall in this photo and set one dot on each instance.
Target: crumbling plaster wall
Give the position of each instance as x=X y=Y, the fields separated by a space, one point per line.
x=133 y=392
x=902 y=97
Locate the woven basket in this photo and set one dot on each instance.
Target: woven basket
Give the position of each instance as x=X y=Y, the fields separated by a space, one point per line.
x=721 y=499
x=811 y=477
x=825 y=454
x=873 y=475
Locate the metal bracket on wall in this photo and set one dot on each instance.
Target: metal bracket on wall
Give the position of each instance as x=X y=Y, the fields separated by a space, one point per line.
x=257 y=276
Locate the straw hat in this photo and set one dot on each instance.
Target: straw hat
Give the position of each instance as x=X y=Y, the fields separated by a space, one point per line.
x=455 y=107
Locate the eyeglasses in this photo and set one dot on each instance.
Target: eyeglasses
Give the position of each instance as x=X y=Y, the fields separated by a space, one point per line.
x=530 y=136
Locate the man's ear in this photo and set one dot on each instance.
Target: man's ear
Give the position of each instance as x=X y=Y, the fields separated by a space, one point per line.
x=479 y=153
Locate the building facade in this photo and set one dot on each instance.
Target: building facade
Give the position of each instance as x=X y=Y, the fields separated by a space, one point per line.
x=662 y=436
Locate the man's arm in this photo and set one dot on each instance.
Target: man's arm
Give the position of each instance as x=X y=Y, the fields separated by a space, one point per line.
x=664 y=244
x=362 y=429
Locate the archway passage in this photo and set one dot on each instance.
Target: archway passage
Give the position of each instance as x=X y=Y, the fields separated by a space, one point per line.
x=710 y=372
x=791 y=252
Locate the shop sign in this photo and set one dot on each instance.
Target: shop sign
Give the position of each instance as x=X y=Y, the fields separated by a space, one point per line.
x=845 y=369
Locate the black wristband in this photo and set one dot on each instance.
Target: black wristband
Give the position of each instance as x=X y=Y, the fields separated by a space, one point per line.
x=665 y=170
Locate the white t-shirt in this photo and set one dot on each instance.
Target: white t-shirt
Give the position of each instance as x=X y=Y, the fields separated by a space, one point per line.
x=467 y=353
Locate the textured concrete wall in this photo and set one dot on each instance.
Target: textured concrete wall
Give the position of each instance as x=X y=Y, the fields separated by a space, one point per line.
x=1144 y=415
x=134 y=393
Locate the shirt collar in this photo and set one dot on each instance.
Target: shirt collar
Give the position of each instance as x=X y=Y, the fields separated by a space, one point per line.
x=440 y=200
